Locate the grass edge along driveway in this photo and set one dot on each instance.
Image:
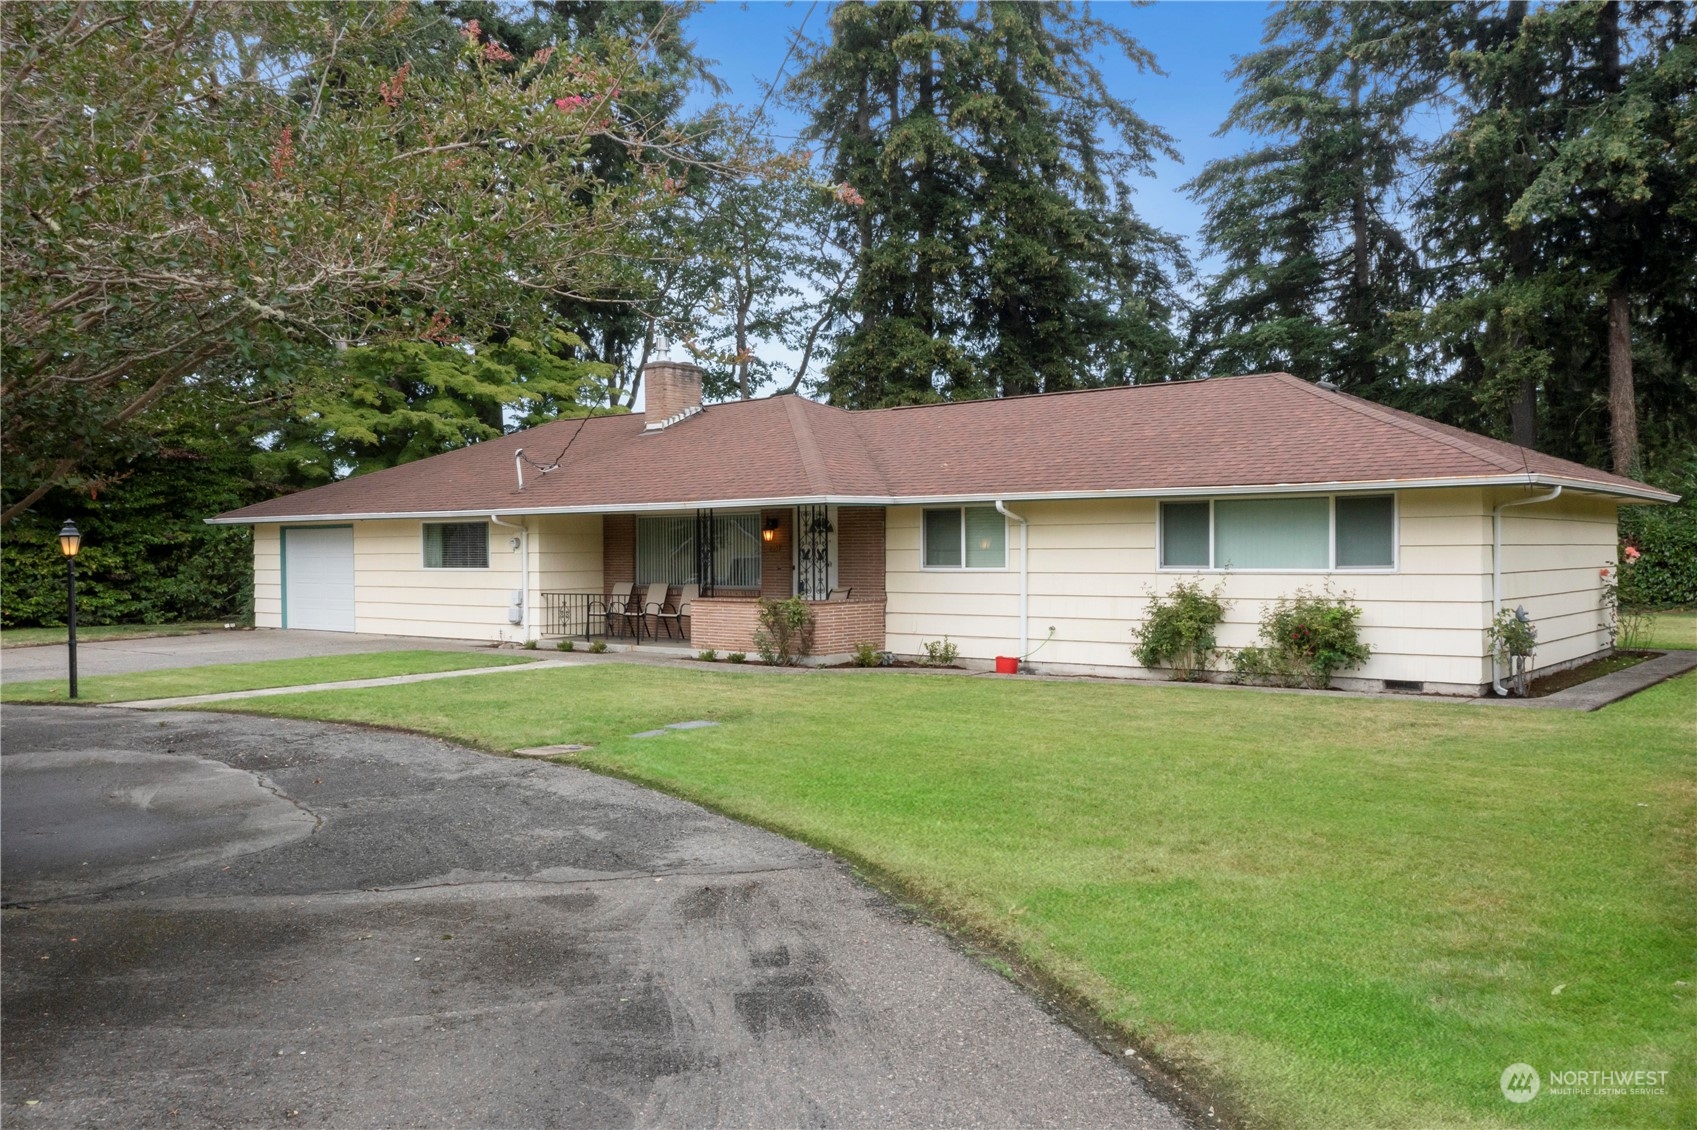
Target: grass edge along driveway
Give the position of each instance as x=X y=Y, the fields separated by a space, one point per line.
x=219 y=678
x=1324 y=912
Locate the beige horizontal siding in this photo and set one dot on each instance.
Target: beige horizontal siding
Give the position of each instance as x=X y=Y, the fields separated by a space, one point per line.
x=267 y=577
x=1553 y=553
x=1093 y=564
x=394 y=594
x=567 y=550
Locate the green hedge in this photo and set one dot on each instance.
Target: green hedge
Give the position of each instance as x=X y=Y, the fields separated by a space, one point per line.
x=147 y=555
x=1665 y=576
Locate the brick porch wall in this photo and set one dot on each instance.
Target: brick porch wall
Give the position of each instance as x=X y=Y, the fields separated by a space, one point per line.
x=727 y=624
x=839 y=626
x=860 y=552
x=618 y=550
x=777 y=573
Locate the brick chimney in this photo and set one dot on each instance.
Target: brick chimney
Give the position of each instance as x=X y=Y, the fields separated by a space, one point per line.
x=671 y=389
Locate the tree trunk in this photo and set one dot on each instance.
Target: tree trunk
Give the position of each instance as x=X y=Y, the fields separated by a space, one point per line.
x=924 y=275
x=1521 y=95
x=1523 y=413
x=1623 y=399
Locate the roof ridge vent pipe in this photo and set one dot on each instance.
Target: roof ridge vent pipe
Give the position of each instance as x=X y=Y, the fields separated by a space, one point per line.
x=1024 y=578
x=1497 y=571
x=518 y=465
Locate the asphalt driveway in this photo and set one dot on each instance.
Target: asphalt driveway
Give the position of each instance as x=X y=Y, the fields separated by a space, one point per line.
x=127 y=656
x=216 y=920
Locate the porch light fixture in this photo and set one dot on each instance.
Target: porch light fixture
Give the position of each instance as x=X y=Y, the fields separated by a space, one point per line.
x=70 y=543
x=769 y=530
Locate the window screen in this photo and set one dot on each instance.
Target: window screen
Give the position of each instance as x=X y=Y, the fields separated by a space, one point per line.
x=1366 y=532
x=986 y=538
x=665 y=551
x=456 y=545
x=942 y=539
x=736 y=556
x=973 y=537
x=1272 y=533
x=1184 y=535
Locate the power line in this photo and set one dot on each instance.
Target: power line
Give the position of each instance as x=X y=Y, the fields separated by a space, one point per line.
x=794 y=39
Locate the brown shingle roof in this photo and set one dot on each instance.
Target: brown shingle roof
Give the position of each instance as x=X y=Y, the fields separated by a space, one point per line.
x=1264 y=430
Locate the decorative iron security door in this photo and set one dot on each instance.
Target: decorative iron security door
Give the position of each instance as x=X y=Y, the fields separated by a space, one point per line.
x=704 y=540
x=812 y=552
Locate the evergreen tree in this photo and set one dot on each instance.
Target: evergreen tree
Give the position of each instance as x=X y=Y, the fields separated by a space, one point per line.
x=1074 y=289
x=1561 y=217
x=1307 y=224
x=996 y=250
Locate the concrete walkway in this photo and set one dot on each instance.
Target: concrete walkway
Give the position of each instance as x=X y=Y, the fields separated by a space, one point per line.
x=344 y=685
x=1599 y=693
x=154 y=653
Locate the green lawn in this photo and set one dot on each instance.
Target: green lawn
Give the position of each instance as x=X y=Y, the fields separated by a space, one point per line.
x=34 y=637
x=1327 y=912
x=177 y=681
x=1672 y=629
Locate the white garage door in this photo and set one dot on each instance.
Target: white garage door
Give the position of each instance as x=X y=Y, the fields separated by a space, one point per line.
x=318 y=578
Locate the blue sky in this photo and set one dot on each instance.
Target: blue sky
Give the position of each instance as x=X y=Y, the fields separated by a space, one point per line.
x=1193 y=41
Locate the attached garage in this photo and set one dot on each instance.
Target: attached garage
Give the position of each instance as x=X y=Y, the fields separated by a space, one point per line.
x=318 y=577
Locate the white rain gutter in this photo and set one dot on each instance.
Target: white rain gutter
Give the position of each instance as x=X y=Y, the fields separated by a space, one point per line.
x=524 y=574
x=1497 y=571
x=1024 y=578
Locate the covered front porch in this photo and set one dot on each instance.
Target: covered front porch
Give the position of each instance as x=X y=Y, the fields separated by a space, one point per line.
x=695 y=578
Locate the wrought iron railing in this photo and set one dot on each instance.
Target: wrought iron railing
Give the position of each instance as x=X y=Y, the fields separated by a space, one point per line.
x=574 y=614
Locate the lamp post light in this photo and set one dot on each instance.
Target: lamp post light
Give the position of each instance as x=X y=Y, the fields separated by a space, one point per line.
x=70 y=541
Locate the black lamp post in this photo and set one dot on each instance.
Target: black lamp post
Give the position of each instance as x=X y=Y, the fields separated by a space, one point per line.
x=69 y=542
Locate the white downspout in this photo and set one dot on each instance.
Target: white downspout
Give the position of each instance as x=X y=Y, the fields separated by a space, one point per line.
x=524 y=574
x=1024 y=579
x=1497 y=571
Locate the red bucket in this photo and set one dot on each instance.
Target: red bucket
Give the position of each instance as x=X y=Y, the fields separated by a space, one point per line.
x=1007 y=665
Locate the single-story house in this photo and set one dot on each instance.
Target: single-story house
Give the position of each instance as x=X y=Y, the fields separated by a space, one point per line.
x=1029 y=526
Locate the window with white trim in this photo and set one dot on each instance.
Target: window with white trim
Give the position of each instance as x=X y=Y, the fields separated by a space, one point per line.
x=1304 y=533
x=456 y=545
x=965 y=537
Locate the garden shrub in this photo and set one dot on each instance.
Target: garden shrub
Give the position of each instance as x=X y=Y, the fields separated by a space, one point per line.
x=866 y=655
x=1625 y=623
x=711 y=655
x=785 y=633
x=1665 y=574
x=147 y=557
x=737 y=656
x=1513 y=637
x=1305 y=638
x=939 y=653
x=1178 y=632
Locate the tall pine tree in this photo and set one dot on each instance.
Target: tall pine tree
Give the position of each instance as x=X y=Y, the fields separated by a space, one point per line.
x=1561 y=217
x=1307 y=225
x=996 y=248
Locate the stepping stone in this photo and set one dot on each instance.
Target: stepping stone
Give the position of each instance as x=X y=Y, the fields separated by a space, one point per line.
x=550 y=750
x=695 y=725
